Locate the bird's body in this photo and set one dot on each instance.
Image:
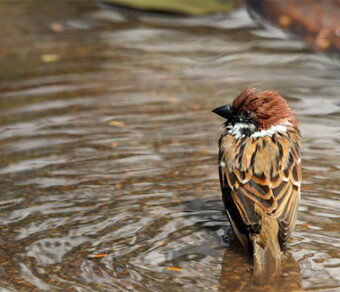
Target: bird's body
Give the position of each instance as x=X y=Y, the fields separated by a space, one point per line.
x=260 y=174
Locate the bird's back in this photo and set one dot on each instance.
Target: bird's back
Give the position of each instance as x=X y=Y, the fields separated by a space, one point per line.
x=261 y=188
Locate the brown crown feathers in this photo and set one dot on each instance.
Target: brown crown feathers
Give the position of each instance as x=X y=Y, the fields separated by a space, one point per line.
x=268 y=107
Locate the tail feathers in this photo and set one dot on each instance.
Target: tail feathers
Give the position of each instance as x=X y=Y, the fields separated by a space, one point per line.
x=267 y=253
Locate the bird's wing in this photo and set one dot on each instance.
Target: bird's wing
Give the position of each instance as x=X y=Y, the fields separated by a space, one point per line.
x=236 y=220
x=264 y=176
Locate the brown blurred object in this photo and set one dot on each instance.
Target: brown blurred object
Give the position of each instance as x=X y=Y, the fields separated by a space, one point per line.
x=316 y=21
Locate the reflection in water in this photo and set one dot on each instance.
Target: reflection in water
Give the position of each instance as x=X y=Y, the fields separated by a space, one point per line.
x=108 y=150
x=237 y=273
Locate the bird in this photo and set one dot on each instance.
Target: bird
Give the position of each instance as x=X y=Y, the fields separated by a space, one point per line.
x=259 y=166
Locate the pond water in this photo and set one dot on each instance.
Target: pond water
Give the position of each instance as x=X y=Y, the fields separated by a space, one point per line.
x=108 y=166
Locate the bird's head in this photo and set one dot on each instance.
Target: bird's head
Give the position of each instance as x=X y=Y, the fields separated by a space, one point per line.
x=257 y=114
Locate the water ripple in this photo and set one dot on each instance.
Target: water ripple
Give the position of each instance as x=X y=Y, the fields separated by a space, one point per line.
x=108 y=155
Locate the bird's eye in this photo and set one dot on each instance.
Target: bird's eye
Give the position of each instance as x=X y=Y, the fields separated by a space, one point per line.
x=246 y=115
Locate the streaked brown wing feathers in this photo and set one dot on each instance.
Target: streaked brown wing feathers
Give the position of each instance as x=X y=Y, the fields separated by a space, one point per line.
x=288 y=207
x=266 y=175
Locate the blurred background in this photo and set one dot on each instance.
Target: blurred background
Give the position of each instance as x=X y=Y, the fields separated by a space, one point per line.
x=108 y=147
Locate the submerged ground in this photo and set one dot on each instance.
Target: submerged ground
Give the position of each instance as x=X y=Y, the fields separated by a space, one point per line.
x=108 y=148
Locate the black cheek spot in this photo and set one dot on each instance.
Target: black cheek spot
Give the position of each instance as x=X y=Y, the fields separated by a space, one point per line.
x=247 y=132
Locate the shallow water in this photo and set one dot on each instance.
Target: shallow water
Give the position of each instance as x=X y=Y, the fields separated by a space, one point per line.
x=108 y=147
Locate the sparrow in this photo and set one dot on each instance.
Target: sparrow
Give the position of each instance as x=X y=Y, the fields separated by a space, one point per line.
x=260 y=174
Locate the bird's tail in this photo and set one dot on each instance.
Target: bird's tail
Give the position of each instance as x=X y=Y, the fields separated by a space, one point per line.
x=267 y=252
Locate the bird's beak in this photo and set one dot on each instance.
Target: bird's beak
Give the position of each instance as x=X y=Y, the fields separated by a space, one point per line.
x=224 y=111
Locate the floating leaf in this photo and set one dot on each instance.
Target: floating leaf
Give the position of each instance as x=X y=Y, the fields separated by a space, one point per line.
x=116 y=124
x=97 y=256
x=173 y=269
x=49 y=58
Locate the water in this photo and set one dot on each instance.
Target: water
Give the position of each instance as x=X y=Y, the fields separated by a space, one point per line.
x=108 y=147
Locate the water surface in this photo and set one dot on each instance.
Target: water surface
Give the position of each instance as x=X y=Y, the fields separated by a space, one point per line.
x=108 y=148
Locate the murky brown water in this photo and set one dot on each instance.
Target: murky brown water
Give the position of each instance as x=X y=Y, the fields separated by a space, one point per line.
x=108 y=151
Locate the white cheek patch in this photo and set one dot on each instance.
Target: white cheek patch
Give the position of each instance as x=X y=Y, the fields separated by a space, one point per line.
x=237 y=130
x=222 y=164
